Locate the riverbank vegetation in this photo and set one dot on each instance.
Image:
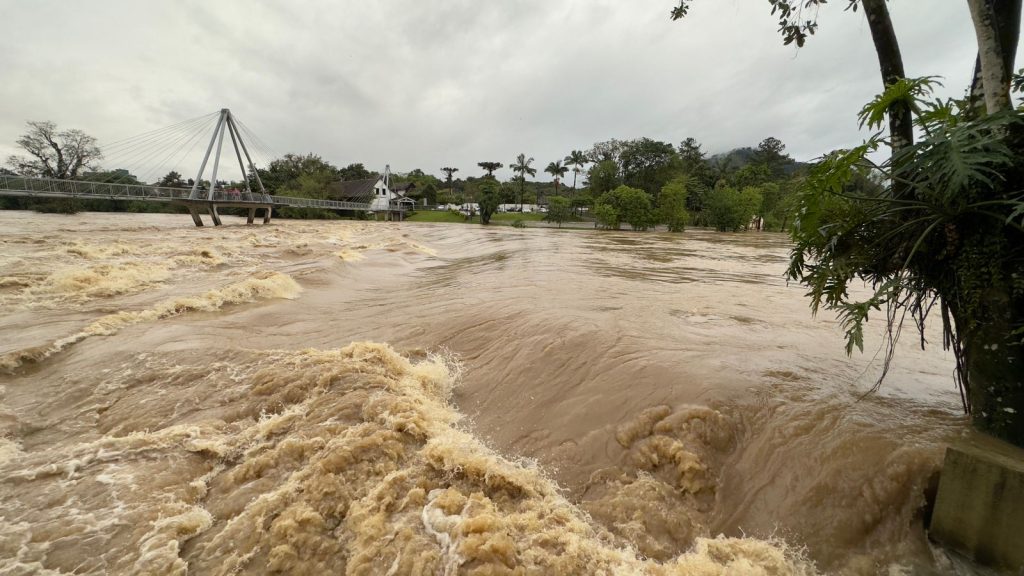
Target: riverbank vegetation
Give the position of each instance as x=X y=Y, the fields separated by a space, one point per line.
x=939 y=224
x=639 y=183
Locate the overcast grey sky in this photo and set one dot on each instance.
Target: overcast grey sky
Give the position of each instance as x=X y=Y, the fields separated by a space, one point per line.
x=427 y=84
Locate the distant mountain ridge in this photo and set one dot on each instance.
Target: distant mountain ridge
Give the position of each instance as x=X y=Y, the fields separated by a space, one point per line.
x=739 y=157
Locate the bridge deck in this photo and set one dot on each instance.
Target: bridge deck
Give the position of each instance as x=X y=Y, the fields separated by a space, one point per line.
x=52 y=188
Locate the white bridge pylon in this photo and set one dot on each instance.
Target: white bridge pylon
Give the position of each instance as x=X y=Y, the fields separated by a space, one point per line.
x=226 y=122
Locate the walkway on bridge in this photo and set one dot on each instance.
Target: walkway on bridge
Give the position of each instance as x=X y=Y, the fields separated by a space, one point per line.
x=53 y=188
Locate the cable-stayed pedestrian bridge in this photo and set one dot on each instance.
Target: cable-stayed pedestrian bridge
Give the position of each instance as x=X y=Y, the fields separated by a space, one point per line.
x=201 y=195
x=81 y=189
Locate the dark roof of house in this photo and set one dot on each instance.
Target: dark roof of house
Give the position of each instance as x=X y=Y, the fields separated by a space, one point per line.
x=403 y=187
x=352 y=189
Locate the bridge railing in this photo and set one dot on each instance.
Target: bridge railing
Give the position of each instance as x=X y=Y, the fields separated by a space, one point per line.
x=315 y=203
x=24 y=186
x=73 y=188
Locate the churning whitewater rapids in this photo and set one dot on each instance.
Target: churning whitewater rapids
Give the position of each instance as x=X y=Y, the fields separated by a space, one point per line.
x=399 y=398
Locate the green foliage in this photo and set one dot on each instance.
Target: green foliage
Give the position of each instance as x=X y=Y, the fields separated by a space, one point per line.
x=447 y=196
x=954 y=160
x=577 y=159
x=648 y=164
x=490 y=167
x=509 y=191
x=351 y=172
x=672 y=205
x=778 y=206
x=731 y=210
x=794 y=25
x=771 y=153
x=424 y=185
x=429 y=191
x=119 y=176
x=582 y=199
x=283 y=176
x=630 y=205
x=556 y=170
x=523 y=168
x=693 y=164
x=752 y=175
x=518 y=224
x=941 y=234
x=171 y=180
x=490 y=199
x=604 y=177
x=559 y=210
x=308 y=185
x=608 y=150
x=607 y=216
x=449 y=171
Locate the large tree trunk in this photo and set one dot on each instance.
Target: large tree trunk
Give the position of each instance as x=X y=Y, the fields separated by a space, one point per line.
x=993 y=354
x=890 y=61
x=997 y=27
x=994 y=360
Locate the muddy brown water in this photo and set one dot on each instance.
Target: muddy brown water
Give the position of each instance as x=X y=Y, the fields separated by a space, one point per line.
x=399 y=398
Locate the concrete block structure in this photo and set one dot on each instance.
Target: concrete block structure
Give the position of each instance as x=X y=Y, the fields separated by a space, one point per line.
x=979 y=507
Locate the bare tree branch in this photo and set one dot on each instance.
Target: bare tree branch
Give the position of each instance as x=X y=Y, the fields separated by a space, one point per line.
x=55 y=154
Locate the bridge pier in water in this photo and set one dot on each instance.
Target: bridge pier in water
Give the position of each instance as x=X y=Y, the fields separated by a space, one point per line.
x=195 y=209
x=266 y=215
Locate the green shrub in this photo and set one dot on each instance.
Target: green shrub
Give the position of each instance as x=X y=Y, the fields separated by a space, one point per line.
x=672 y=205
x=625 y=204
x=607 y=216
x=558 y=210
x=731 y=210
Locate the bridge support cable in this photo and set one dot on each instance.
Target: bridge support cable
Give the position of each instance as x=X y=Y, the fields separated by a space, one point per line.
x=252 y=167
x=133 y=141
x=136 y=156
x=259 y=145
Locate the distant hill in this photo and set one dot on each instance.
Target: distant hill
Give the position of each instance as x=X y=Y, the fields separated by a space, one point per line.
x=739 y=157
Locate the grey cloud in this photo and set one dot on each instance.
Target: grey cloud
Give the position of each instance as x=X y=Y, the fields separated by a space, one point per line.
x=427 y=84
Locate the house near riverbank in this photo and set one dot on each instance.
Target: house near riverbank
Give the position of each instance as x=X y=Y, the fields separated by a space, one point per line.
x=386 y=202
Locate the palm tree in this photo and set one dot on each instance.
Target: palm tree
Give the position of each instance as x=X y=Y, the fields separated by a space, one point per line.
x=448 y=171
x=557 y=171
x=522 y=167
x=490 y=167
x=576 y=159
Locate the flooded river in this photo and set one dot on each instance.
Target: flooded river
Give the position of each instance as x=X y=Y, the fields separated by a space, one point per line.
x=399 y=398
